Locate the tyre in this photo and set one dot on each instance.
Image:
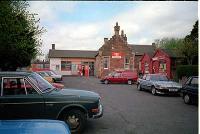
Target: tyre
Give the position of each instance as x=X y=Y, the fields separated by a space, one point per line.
x=106 y=82
x=76 y=120
x=187 y=99
x=130 y=82
x=153 y=90
x=139 y=87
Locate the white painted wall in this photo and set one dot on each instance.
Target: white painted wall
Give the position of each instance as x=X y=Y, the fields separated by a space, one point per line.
x=57 y=61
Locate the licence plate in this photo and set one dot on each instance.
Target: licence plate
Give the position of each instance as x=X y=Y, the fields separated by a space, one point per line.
x=173 y=90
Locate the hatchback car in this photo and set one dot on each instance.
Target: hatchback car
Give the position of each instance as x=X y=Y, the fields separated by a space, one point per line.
x=26 y=95
x=128 y=77
x=158 y=84
x=190 y=90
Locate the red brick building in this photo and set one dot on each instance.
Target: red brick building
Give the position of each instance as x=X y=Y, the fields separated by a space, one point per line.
x=145 y=63
x=117 y=54
x=165 y=61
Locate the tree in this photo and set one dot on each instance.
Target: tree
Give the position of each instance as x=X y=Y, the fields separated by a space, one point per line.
x=169 y=43
x=19 y=35
x=190 y=46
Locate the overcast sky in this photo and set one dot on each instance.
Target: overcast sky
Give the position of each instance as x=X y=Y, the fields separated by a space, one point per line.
x=81 y=25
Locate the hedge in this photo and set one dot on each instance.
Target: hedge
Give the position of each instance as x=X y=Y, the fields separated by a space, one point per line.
x=186 y=70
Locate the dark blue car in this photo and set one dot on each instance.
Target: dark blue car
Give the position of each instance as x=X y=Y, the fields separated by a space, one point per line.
x=190 y=90
x=33 y=127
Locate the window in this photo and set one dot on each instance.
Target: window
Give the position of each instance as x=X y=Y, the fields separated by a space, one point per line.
x=13 y=86
x=194 y=82
x=117 y=74
x=126 y=63
x=162 y=68
x=148 y=77
x=66 y=65
x=106 y=62
x=29 y=88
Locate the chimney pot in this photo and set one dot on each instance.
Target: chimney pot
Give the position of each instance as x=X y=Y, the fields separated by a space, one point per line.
x=105 y=40
x=53 y=46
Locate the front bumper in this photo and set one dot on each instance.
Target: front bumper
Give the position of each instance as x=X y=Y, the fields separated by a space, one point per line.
x=100 y=113
x=168 y=91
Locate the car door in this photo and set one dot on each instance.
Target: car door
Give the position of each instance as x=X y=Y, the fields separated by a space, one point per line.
x=143 y=81
x=146 y=82
x=192 y=88
x=19 y=99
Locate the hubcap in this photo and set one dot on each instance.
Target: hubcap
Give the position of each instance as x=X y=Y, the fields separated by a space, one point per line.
x=129 y=82
x=106 y=81
x=187 y=99
x=153 y=91
x=73 y=121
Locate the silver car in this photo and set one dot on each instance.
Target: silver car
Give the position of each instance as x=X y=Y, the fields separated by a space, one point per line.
x=158 y=84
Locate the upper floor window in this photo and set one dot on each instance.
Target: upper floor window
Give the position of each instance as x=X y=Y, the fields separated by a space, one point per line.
x=106 y=62
x=126 y=63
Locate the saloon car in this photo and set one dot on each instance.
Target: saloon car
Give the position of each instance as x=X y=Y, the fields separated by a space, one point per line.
x=190 y=90
x=33 y=127
x=128 y=77
x=158 y=84
x=26 y=95
x=56 y=77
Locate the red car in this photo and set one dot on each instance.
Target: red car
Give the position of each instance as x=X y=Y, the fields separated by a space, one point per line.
x=128 y=77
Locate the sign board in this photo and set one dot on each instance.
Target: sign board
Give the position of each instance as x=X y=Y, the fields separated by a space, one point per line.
x=116 y=55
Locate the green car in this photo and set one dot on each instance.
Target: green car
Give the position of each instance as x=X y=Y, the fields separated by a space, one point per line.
x=26 y=95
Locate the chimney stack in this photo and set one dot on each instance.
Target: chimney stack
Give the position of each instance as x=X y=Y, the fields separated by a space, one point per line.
x=53 y=46
x=117 y=28
x=105 y=40
x=122 y=33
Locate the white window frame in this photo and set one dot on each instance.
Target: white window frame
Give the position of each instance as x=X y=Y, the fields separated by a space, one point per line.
x=108 y=64
x=126 y=63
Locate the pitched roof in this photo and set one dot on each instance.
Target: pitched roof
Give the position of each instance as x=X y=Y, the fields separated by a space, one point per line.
x=72 y=54
x=141 y=49
x=172 y=53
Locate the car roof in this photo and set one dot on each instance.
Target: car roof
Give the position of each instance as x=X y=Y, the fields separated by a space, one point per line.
x=15 y=73
x=33 y=127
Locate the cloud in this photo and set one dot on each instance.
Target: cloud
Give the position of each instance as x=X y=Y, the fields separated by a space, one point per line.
x=143 y=22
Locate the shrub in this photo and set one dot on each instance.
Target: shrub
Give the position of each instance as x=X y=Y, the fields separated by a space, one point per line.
x=186 y=70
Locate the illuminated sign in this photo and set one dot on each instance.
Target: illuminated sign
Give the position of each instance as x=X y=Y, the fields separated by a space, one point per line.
x=116 y=55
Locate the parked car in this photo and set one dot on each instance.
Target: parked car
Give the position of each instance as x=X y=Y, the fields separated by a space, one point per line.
x=128 y=77
x=50 y=79
x=33 y=127
x=26 y=95
x=158 y=84
x=56 y=77
x=190 y=90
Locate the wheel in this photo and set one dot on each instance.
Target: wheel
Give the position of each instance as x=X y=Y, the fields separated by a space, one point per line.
x=153 y=90
x=76 y=120
x=187 y=99
x=106 y=81
x=139 y=87
x=130 y=82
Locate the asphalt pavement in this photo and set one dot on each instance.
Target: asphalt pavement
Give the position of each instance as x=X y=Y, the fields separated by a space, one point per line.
x=129 y=111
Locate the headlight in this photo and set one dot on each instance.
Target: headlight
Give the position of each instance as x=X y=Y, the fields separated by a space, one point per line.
x=159 y=87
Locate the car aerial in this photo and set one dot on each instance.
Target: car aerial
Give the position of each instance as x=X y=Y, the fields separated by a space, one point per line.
x=190 y=90
x=158 y=84
x=31 y=126
x=50 y=79
x=56 y=77
x=128 y=77
x=26 y=95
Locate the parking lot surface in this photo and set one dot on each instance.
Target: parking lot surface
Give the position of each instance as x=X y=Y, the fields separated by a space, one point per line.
x=129 y=111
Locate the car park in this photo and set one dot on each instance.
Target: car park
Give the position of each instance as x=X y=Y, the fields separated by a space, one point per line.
x=26 y=95
x=31 y=126
x=50 y=79
x=128 y=77
x=189 y=90
x=56 y=77
x=158 y=84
